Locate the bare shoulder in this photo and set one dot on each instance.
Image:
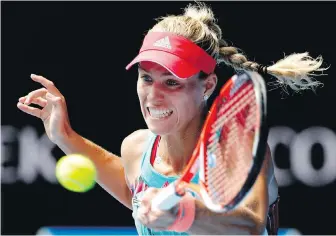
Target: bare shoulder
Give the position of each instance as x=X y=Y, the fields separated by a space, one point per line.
x=133 y=145
x=131 y=151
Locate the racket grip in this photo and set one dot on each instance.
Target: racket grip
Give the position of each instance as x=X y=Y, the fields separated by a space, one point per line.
x=166 y=199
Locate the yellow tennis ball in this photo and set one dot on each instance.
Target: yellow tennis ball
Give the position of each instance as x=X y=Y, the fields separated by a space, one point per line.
x=76 y=173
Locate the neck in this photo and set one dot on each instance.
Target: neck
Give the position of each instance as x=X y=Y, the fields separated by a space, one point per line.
x=176 y=149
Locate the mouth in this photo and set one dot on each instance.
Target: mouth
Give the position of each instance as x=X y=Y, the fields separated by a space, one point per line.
x=159 y=113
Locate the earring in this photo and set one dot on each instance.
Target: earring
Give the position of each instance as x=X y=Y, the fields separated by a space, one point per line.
x=205 y=97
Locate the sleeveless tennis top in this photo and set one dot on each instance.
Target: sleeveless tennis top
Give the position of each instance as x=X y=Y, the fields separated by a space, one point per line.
x=149 y=177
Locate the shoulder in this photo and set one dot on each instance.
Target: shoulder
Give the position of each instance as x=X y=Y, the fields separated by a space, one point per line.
x=134 y=143
x=133 y=146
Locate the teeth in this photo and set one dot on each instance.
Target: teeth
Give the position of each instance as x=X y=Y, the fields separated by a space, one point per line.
x=159 y=113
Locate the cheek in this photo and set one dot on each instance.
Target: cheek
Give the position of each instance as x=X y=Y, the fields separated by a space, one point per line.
x=194 y=96
x=141 y=96
x=187 y=105
x=140 y=91
x=190 y=99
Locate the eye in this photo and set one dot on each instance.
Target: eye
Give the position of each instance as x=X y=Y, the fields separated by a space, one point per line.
x=171 y=82
x=146 y=78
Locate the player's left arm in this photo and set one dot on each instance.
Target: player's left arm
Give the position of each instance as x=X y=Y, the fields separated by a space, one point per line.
x=248 y=218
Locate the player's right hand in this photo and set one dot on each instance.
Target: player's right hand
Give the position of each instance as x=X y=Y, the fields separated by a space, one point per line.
x=53 y=111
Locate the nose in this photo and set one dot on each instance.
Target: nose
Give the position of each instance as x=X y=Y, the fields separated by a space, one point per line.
x=156 y=92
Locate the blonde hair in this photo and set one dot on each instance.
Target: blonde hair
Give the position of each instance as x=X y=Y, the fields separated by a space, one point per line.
x=199 y=25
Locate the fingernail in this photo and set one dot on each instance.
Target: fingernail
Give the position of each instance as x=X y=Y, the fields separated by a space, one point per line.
x=31 y=75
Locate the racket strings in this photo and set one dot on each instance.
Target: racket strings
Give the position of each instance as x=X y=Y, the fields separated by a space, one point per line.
x=235 y=173
x=217 y=134
x=215 y=147
x=237 y=165
x=230 y=146
x=233 y=111
x=225 y=173
x=224 y=118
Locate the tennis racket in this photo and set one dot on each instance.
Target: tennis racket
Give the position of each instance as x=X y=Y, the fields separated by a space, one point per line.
x=230 y=151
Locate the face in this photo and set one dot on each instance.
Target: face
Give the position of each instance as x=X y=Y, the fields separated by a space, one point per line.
x=168 y=104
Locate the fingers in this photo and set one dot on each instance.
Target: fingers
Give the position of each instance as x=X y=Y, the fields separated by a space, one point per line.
x=33 y=95
x=146 y=200
x=41 y=97
x=54 y=100
x=24 y=102
x=154 y=219
x=39 y=101
x=49 y=85
x=143 y=218
x=29 y=110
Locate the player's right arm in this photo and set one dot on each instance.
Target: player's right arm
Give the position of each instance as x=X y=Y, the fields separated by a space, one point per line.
x=53 y=113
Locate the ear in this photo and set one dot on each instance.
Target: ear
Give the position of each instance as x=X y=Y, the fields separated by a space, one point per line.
x=209 y=84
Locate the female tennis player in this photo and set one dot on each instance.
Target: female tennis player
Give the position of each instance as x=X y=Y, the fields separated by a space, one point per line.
x=173 y=91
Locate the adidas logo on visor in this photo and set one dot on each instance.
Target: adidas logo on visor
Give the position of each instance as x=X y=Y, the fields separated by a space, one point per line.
x=164 y=43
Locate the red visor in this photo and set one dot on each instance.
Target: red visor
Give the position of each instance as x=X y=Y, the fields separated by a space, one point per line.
x=177 y=54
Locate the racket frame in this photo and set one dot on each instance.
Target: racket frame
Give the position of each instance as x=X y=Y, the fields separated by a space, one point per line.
x=258 y=150
x=172 y=194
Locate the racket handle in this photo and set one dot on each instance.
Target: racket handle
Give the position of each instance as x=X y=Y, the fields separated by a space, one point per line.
x=167 y=198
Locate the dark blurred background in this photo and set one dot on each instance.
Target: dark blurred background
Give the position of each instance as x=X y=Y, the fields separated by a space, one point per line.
x=84 y=47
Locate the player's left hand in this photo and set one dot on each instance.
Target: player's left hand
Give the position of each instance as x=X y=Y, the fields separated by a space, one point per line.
x=155 y=218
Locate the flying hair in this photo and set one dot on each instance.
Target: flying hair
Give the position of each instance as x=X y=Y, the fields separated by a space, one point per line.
x=199 y=25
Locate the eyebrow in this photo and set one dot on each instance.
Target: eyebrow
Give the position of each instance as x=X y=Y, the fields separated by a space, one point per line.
x=167 y=73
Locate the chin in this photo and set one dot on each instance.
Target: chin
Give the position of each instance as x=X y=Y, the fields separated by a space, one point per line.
x=163 y=130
